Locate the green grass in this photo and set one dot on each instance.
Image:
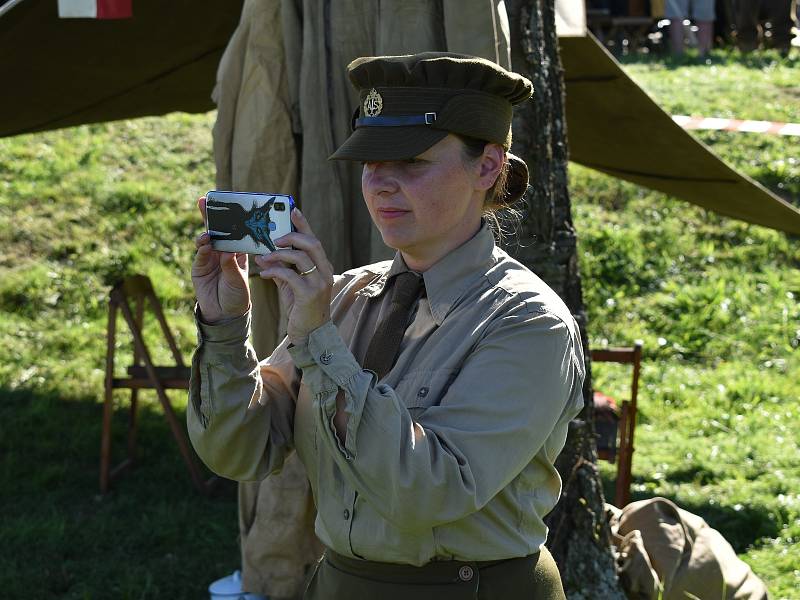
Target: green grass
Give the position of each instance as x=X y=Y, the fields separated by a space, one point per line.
x=86 y=206
x=715 y=301
x=152 y=537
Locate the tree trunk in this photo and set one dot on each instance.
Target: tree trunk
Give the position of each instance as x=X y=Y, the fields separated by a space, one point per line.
x=579 y=535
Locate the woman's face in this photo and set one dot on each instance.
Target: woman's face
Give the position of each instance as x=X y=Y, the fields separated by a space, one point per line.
x=429 y=205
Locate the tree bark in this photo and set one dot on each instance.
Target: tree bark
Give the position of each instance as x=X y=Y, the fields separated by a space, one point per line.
x=580 y=538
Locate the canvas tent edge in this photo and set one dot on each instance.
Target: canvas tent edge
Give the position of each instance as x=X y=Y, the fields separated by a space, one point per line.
x=615 y=127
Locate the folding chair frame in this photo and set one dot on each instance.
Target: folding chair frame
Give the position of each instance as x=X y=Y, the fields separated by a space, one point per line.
x=143 y=374
x=627 y=421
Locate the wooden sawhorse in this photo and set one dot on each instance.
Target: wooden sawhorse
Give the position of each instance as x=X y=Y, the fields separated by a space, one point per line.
x=143 y=374
x=627 y=420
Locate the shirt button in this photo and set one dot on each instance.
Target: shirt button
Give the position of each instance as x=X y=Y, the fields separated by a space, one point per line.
x=346 y=514
x=422 y=392
x=465 y=573
x=325 y=358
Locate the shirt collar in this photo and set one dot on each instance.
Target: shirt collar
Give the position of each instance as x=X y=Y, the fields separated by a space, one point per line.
x=447 y=280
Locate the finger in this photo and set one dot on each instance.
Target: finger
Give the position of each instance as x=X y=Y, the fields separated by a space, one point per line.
x=202 y=240
x=312 y=246
x=205 y=251
x=300 y=222
x=241 y=260
x=290 y=277
x=203 y=261
x=201 y=205
x=232 y=261
x=301 y=225
x=302 y=263
x=296 y=258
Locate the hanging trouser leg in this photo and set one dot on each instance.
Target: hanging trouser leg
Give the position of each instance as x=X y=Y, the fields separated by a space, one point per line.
x=276 y=519
x=779 y=14
x=746 y=18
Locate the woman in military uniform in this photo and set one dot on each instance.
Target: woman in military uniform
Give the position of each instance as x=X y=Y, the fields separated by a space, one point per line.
x=427 y=396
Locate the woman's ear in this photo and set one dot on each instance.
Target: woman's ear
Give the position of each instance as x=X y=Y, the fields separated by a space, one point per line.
x=490 y=166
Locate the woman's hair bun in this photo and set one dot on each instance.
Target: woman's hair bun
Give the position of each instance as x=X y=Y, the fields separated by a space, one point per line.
x=517 y=181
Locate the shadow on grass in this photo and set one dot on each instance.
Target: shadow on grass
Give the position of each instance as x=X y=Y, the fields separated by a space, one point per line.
x=152 y=536
x=742 y=526
x=693 y=474
x=758 y=60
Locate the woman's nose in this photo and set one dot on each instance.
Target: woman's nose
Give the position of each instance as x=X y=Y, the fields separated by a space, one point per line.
x=378 y=177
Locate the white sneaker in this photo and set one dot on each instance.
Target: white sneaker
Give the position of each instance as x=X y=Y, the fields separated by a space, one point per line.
x=230 y=588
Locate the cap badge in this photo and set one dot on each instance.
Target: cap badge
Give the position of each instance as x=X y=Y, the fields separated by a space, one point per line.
x=373 y=104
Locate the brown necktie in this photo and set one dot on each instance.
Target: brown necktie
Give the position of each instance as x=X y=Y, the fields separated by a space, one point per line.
x=385 y=343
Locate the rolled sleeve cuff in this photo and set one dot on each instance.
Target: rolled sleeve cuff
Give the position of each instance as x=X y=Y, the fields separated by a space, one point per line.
x=301 y=355
x=328 y=365
x=331 y=355
x=230 y=332
x=216 y=343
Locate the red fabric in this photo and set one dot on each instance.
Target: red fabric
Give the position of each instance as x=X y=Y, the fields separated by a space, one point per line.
x=603 y=403
x=114 y=9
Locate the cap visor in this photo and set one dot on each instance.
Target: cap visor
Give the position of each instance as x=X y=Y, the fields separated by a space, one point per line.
x=388 y=143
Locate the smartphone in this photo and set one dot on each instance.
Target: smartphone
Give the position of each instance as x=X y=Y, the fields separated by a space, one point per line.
x=247 y=222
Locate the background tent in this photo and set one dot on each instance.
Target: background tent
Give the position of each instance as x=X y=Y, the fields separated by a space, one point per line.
x=615 y=127
x=65 y=72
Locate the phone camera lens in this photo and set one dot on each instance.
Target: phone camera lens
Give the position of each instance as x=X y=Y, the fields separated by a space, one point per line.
x=279 y=206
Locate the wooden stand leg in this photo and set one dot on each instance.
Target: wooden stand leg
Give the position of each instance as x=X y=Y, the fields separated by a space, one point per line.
x=105 y=442
x=134 y=410
x=133 y=424
x=105 y=437
x=622 y=491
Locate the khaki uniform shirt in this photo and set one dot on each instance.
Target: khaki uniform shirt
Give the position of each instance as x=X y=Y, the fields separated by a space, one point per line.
x=450 y=455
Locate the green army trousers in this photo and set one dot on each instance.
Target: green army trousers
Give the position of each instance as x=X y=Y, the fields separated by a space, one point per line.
x=533 y=577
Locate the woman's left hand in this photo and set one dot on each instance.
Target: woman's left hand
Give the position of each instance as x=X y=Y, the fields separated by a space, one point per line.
x=304 y=277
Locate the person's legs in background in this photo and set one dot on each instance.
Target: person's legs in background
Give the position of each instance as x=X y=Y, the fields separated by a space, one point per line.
x=703 y=15
x=702 y=12
x=676 y=35
x=779 y=14
x=676 y=11
x=705 y=36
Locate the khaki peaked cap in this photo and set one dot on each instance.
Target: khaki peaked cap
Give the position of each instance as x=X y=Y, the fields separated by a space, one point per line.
x=408 y=103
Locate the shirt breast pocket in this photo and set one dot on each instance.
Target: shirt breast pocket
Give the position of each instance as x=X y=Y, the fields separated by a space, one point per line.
x=420 y=390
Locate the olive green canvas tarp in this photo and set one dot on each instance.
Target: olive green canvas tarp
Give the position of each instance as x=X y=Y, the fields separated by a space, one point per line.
x=615 y=127
x=64 y=72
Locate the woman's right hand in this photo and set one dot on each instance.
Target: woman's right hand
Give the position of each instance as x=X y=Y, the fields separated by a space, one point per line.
x=219 y=279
